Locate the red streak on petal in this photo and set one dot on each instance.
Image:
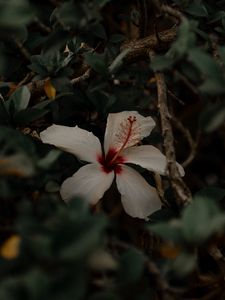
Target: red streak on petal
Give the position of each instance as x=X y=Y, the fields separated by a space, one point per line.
x=131 y=120
x=109 y=164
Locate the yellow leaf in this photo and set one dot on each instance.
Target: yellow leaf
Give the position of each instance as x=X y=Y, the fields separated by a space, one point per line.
x=10 y=249
x=49 y=89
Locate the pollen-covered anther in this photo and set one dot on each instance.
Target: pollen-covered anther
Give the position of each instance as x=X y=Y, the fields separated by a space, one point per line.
x=132 y=119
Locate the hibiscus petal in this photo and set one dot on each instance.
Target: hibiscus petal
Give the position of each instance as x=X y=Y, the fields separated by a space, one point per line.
x=82 y=143
x=126 y=129
x=139 y=199
x=149 y=158
x=89 y=183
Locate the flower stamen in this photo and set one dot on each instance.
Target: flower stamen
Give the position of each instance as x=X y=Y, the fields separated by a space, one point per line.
x=128 y=133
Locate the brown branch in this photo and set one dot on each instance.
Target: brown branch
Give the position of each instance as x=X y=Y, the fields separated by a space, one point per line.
x=164 y=290
x=140 y=48
x=26 y=79
x=192 y=144
x=169 y=10
x=159 y=186
x=36 y=86
x=172 y=12
x=81 y=78
x=182 y=192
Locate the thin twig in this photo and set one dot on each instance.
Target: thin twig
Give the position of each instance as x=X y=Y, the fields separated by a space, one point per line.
x=164 y=290
x=172 y=95
x=161 y=286
x=182 y=192
x=187 y=82
x=26 y=79
x=36 y=86
x=21 y=48
x=42 y=26
x=159 y=187
x=81 y=78
x=192 y=144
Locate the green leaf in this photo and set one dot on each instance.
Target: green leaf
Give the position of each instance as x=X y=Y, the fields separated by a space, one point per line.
x=201 y=219
x=101 y=3
x=99 y=31
x=52 y=187
x=85 y=241
x=14 y=13
x=223 y=22
x=49 y=159
x=184 y=264
x=19 y=100
x=29 y=115
x=185 y=40
x=118 y=61
x=161 y=62
x=116 y=38
x=212 y=87
x=4 y=115
x=197 y=9
x=171 y=231
x=204 y=62
x=212 y=117
x=37 y=284
x=211 y=193
x=97 y=62
x=214 y=83
x=217 y=16
x=222 y=53
x=131 y=266
x=100 y=100
x=16 y=142
x=104 y=296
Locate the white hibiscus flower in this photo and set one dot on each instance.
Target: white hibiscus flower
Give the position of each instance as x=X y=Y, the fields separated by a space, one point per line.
x=124 y=131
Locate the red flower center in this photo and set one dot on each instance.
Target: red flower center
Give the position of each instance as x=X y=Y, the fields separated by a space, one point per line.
x=127 y=133
x=111 y=162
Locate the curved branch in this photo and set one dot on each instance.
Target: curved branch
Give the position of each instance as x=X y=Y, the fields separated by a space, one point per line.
x=182 y=192
x=140 y=48
x=192 y=144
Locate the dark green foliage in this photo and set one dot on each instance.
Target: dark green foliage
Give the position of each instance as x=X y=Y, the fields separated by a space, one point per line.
x=199 y=222
x=91 y=56
x=46 y=261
